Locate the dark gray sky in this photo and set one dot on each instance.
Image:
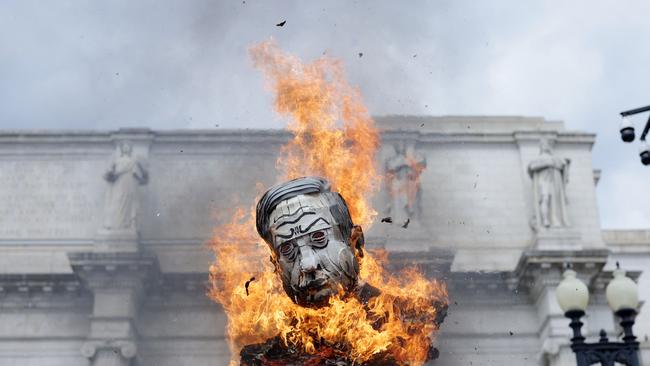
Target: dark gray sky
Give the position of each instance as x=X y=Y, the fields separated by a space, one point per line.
x=184 y=64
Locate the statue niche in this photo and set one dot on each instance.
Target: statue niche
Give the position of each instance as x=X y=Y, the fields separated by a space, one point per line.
x=550 y=175
x=403 y=171
x=124 y=175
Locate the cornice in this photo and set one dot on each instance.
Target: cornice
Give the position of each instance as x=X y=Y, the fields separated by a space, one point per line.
x=538 y=269
x=40 y=284
x=431 y=132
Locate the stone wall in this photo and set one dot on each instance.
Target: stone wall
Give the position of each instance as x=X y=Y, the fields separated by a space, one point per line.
x=476 y=196
x=64 y=303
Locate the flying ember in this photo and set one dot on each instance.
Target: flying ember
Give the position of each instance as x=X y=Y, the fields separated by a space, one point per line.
x=292 y=272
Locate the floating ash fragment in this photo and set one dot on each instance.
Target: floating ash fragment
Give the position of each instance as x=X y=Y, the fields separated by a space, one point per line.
x=281 y=24
x=248 y=283
x=388 y=220
x=406 y=223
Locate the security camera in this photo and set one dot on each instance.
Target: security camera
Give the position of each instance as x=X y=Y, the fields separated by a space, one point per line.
x=644 y=153
x=627 y=130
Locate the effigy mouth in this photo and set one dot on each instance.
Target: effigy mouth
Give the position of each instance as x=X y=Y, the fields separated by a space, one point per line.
x=314 y=294
x=316 y=284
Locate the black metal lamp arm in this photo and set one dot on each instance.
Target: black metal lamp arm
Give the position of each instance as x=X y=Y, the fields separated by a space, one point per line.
x=635 y=111
x=605 y=352
x=645 y=130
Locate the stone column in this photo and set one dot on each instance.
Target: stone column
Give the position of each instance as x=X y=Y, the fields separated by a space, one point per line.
x=116 y=271
x=117 y=281
x=539 y=273
x=554 y=328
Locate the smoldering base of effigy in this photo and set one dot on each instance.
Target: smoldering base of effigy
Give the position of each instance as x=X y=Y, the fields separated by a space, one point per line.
x=273 y=353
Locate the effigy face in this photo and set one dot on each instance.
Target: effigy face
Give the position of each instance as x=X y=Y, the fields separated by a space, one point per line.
x=309 y=230
x=314 y=258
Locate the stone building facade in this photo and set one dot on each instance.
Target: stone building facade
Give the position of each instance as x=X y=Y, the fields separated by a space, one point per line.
x=74 y=291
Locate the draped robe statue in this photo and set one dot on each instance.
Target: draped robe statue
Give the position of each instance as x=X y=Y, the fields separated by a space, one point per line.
x=550 y=175
x=123 y=176
x=403 y=172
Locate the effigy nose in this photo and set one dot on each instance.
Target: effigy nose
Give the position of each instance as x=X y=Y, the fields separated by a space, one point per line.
x=308 y=261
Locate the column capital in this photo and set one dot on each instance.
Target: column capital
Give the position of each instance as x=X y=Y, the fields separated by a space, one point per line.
x=114 y=270
x=538 y=269
x=126 y=348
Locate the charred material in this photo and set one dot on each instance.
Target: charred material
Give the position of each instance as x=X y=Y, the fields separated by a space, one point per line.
x=273 y=353
x=248 y=284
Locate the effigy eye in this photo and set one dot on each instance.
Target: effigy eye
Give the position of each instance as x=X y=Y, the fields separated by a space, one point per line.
x=287 y=249
x=319 y=239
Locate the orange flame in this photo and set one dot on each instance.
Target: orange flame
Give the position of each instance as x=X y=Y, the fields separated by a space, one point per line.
x=334 y=137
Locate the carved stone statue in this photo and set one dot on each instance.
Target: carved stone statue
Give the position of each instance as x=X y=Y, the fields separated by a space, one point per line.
x=550 y=175
x=123 y=176
x=403 y=172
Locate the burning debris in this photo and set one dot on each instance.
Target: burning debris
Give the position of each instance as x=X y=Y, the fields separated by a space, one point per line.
x=248 y=283
x=273 y=353
x=325 y=299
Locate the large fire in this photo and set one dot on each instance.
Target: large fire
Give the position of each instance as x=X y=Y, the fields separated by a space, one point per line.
x=333 y=137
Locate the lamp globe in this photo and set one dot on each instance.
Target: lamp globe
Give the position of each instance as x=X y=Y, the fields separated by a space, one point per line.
x=572 y=294
x=622 y=292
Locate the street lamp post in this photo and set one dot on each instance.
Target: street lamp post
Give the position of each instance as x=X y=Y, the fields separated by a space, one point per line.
x=623 y=298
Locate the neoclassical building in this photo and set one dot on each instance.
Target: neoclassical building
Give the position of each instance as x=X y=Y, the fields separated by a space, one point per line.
x=102 y=237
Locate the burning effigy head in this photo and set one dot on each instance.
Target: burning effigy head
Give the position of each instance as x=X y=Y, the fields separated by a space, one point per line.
x=310 y=232
x=322 y=298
